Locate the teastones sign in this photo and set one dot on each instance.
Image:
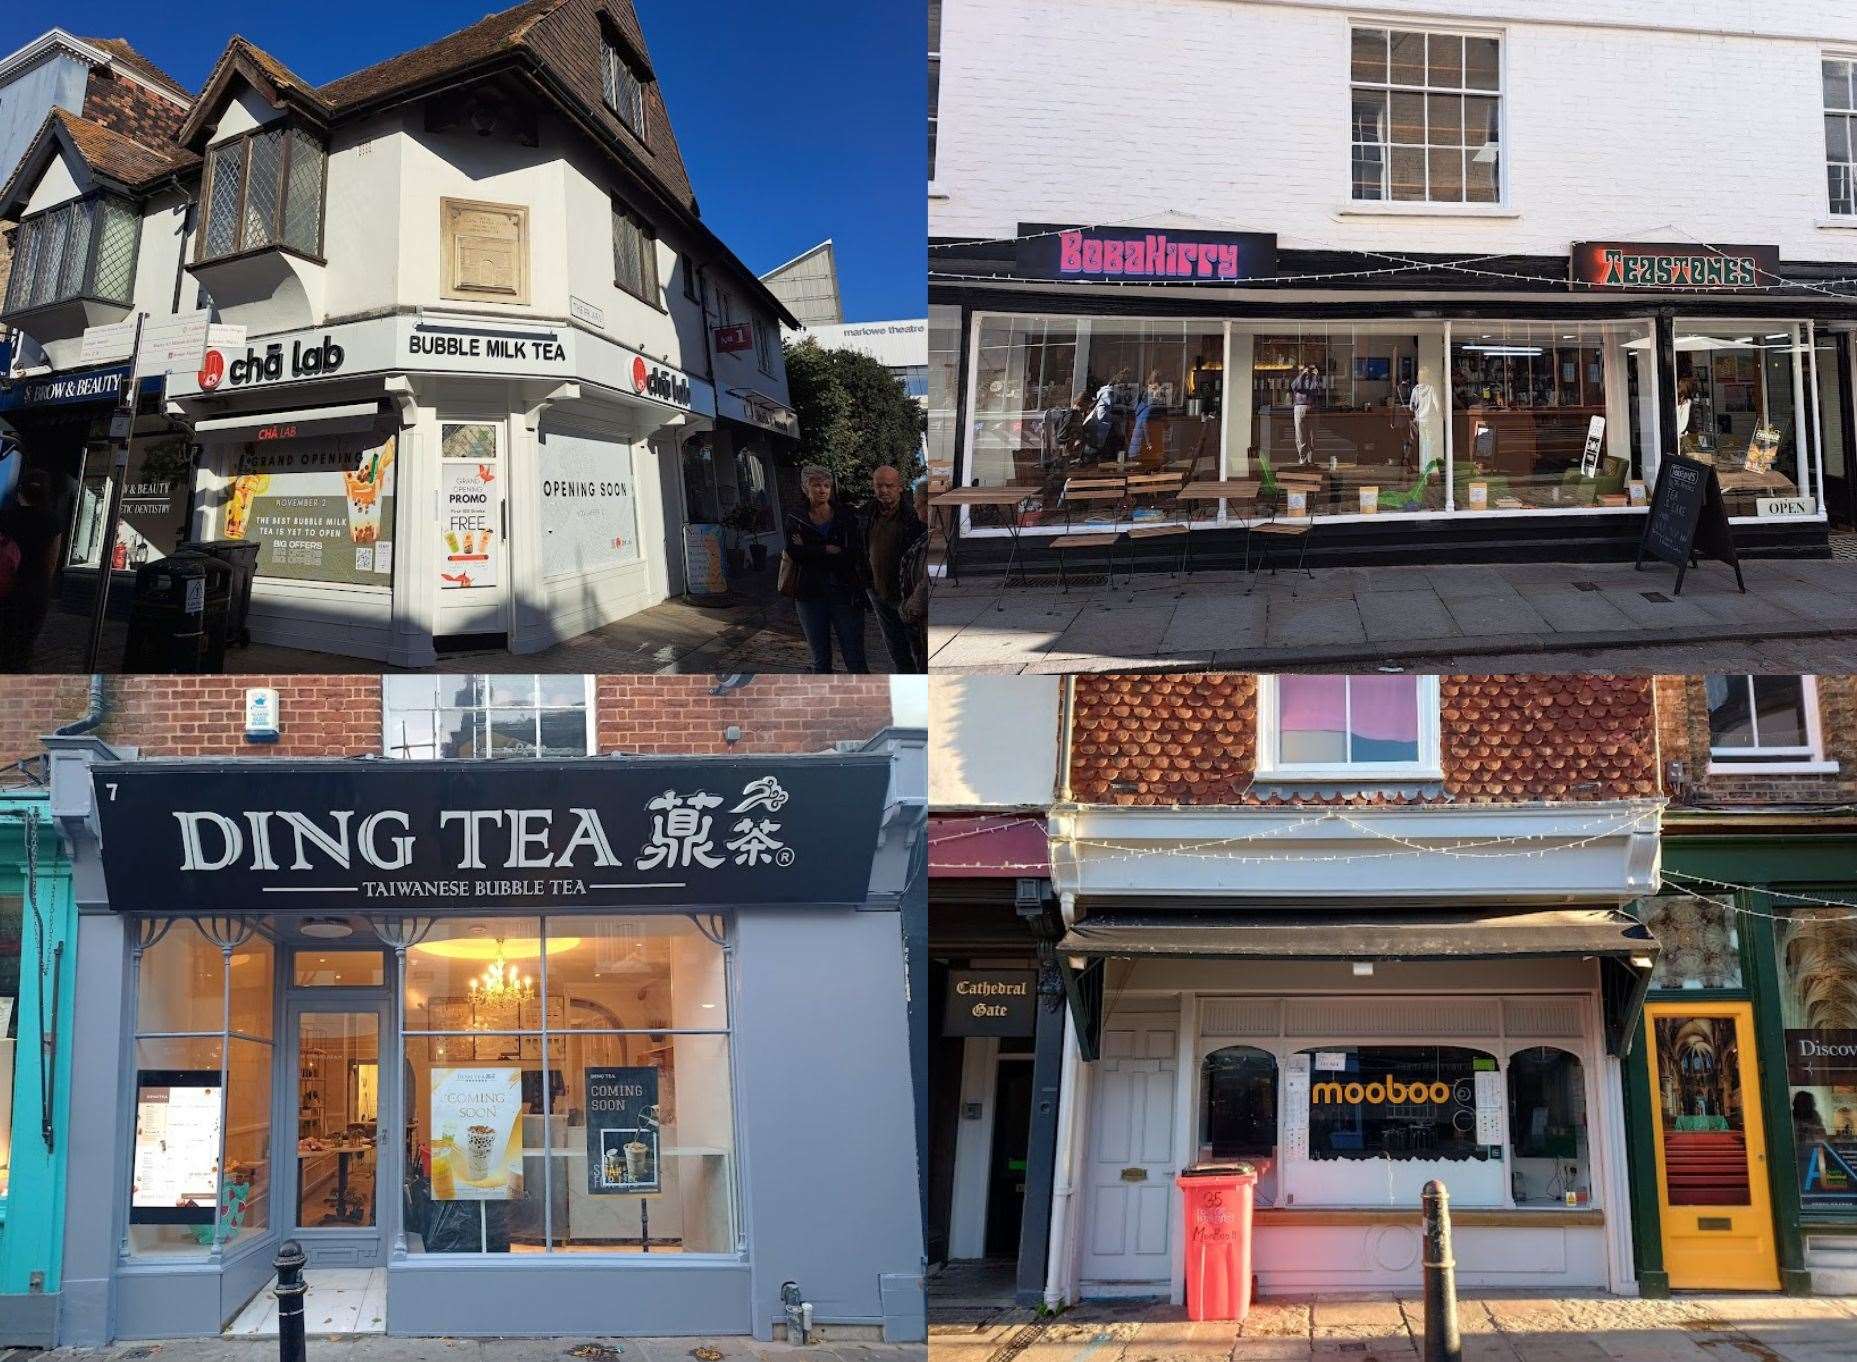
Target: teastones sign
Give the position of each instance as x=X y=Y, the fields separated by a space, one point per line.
x=1641 y=264
x=434 y=837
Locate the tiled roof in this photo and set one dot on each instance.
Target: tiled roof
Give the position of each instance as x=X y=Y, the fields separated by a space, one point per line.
x=118 y=157
x=142 y=66
x=1191 y=738
x=565 y=37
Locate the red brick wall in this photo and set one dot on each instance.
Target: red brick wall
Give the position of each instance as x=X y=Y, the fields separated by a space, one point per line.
x=1683 y=740
x=339 y=716
x=127 y=107
x=1192 y=739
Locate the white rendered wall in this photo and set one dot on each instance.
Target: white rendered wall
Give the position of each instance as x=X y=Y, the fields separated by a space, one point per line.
x=1237 y=112
x=996 y=741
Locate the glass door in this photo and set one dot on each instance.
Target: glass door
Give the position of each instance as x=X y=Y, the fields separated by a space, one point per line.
x=336 y=1094
x=1711 y=1149
x=473 y=526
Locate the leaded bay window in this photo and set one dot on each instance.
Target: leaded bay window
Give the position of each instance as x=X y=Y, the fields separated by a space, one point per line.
x=635 y=255
x=82 y=249
x=263 y=189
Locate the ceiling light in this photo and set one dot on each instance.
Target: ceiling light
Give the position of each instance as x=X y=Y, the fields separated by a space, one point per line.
x=326 y=928
x=510 y=948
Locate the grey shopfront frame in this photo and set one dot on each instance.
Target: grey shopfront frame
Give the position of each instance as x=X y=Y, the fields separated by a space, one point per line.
x=844 y=1223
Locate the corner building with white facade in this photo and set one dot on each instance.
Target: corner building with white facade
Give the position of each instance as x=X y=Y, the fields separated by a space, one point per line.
x=477 y=360
x=1446 y=281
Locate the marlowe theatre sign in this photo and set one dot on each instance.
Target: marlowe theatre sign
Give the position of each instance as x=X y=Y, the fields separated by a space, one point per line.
x=425 y=837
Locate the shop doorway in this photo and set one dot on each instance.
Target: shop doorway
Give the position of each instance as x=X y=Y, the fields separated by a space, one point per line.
x=1012 y=1130
x=1712 y=1188
x=333 y=1093
x=1131 y=1162
x=1836 y=419
x=473 y=531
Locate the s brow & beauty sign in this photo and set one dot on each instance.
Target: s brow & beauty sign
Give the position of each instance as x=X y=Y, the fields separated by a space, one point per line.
x=429 y=837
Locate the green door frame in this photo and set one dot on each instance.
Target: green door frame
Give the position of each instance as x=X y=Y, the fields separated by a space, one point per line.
x=1797 y=861
x=32 y=1212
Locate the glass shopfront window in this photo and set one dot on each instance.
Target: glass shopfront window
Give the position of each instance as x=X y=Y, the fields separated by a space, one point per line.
x=944 y=368
x=1550 y=1161
x=1817 y=952
x=1063 y=398
x=1550 y=416
x=202 y=1084
x=568 y=1087
x=1343 y=419
x=12 y=926
x=1745 y=403
x=1384 y=417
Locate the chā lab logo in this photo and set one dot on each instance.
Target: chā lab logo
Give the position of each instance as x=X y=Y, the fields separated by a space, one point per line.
x=641 y=376
x=666 y=385
x=212 y=371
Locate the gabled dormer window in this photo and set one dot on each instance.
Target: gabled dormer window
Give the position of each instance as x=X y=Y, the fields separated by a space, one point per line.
x=263 y=188
x=82 y=249
x=625 y=88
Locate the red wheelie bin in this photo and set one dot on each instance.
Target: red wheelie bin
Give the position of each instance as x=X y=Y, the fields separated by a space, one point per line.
x=1218 y=1239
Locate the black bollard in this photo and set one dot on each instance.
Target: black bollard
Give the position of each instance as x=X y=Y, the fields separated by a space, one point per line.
x=1442 y=1343
x=289 y=1292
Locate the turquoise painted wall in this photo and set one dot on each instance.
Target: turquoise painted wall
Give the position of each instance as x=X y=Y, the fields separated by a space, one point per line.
x=32 y=1233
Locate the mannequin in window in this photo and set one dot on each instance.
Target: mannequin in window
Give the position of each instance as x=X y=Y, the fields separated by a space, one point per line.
x=1685 y=402
x=1150 y=424
x=1112 y=397
x=1427 y=418
x=1305 y=403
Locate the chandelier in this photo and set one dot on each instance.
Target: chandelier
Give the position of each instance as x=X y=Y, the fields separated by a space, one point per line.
x=500 y=983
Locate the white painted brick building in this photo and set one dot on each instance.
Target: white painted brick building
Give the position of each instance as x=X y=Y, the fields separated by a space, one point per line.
x=1693 y=127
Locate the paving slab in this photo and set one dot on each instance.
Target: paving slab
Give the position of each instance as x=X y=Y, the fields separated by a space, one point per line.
x=1208 y=624
x=1297 y=624
x=1403 y=614
x=1130 y=630
x=1496 y=613
x=1567 y=611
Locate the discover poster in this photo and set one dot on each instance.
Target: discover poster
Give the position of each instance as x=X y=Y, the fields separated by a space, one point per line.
x=476 y=1152
x=321 y=509
x=622 y=1132
x=176 y=1170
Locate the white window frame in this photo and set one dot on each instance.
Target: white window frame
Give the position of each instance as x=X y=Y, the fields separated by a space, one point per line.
x=592 y=713
x=1427 y=767
x=1778 y=761
x=1386 y=203
x=1847 y=216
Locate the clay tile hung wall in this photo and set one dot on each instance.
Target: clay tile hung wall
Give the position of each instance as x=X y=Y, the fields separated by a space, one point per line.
x=1191 y=739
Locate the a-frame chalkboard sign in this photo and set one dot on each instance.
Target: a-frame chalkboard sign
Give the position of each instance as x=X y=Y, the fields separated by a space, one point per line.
x=1687 y=514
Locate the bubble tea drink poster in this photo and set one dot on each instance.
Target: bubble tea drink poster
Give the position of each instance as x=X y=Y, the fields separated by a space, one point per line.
x=320 y=509
x=475 y=1152
x=622 y=1131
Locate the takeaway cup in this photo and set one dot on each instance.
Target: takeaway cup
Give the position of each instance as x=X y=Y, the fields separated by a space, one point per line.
x=479 y=1145
x=635 y=1152
x=1218 y=1239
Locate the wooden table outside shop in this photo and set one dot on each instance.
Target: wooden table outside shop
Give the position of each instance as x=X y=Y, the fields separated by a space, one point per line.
x=1231 y=489
x=950 y=504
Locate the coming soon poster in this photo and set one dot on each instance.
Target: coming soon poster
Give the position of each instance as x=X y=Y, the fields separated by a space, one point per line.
x=622 y=1132
x=476 y=1119
x=321 y=510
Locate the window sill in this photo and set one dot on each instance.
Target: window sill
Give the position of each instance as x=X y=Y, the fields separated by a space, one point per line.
x=1363 y=774
x=1773 y=768
x=1843 y=222
x=1467 y=1217
x=194 y=266
x=639 y=297
x=1383 y=208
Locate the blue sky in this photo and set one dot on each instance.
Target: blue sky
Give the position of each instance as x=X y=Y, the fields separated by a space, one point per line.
x=799 y=120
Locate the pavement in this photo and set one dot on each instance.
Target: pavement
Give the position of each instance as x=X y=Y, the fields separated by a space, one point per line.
x=1488 y=617
x=379 y=1348
x=1495 y=1327
x=758 y=632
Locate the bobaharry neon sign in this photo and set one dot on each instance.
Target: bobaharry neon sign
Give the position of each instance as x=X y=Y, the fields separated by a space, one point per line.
x=1142 y=253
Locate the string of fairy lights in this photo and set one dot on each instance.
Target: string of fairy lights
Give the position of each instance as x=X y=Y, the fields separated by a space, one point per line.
x=1103 y=851
x=1401 y=264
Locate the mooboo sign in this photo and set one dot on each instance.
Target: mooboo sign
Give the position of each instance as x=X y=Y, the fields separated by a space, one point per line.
x=426 y=837
x=991 y=1002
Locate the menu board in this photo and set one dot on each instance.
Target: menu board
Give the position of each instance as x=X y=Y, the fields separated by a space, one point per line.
x=321 y=508
x=476 y=1155
x=176 y=1172
x=1687 y=513
x=622 y=1132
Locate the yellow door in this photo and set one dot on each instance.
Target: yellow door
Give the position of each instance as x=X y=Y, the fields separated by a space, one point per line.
x=1711 y=1150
